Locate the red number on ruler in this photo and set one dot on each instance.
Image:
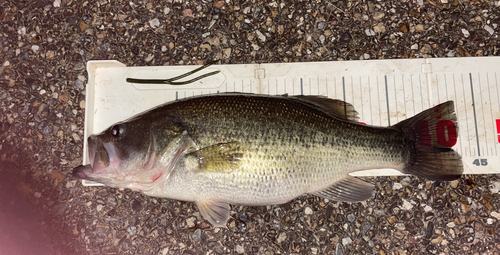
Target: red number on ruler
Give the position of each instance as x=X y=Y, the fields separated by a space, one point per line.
x=446 y=133
x=498 y=129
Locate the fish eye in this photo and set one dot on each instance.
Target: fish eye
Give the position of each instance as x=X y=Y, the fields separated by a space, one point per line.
x=117 y=130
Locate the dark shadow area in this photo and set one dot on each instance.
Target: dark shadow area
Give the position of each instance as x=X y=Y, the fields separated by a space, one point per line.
x=25 y=227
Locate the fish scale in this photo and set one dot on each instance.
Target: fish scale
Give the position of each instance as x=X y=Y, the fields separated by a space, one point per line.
x=299 y=130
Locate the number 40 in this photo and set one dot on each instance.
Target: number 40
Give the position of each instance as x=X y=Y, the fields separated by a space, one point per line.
x=484 y=162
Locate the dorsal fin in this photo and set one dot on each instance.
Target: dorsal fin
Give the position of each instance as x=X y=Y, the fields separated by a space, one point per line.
x=339 y=108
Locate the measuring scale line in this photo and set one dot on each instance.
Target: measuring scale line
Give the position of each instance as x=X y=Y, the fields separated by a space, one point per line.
x=482 y=110
x=343 y=91
x=474 y=111
x=387 y=100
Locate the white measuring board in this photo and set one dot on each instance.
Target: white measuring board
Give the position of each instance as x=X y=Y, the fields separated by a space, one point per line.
x=384 y=92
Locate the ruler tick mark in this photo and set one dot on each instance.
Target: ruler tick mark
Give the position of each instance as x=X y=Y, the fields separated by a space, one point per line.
x=474 y=111
x=343 y=90
x=387 y=100
x=301 y=87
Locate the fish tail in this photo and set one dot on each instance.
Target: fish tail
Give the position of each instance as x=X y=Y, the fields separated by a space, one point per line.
x=430 y=135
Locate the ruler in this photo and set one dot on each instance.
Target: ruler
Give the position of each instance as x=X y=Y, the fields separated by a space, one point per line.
x=384 y=92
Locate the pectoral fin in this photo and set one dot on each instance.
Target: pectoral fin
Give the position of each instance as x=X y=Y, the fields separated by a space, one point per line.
x=216 y=212
x=219 y=157
x=349 y=189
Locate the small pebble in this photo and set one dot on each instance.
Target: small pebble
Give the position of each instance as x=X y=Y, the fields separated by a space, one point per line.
x=427 y=208
x=339 y=250
x=346 y=241
x=242 y=226
x=378 y=15
x=197 y=235
x=281 y=237
x=406 y=205
x=495 y=187
x=465 y=32
x=149 y=58
x=379 y=28
x=79 y=84
x=244 y=217
x=132 y=230
x=190 y=222
x=451 y=224
x=350 y=217
x=261 y=36
x=496 y=215
x=489 y=29
x=321 y=25
x=369 y=32
x=322 y=38
x=308 y=211
x=397 y=186
x=366 y=226
x=240 y=249
x=426 y=49
x=154 y=23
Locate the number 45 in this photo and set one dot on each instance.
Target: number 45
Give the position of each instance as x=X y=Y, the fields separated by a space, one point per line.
x=484 y=162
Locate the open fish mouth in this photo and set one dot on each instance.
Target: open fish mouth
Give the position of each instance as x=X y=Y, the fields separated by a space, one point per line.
x=104 y=159
x=97 y=152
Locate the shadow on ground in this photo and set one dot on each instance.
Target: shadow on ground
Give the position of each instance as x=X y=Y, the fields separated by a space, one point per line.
x=25 y=226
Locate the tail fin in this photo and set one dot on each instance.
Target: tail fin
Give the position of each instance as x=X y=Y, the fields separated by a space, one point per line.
x=433 y=133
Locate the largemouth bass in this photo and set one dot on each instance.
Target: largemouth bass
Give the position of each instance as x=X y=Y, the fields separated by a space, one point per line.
x=253 y=150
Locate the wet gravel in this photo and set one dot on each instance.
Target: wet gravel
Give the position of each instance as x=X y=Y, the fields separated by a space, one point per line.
x=45 y=45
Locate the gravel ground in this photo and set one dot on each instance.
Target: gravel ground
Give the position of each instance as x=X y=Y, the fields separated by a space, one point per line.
x=45 y=45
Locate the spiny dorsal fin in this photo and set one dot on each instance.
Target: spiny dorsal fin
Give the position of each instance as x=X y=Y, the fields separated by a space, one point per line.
x=219 y=157
x=339 y=108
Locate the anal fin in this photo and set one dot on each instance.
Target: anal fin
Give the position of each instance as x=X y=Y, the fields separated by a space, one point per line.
x=216 y=212
x=349 y=189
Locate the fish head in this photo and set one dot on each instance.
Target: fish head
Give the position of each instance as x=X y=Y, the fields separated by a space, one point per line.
x=126 y=155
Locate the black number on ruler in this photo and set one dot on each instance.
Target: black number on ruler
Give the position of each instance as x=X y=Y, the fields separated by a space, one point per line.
x=480 y=162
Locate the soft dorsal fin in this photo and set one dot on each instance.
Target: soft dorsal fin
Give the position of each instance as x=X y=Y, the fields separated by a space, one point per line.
x=339 y=108
x=348 y=189
x=219 y=157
